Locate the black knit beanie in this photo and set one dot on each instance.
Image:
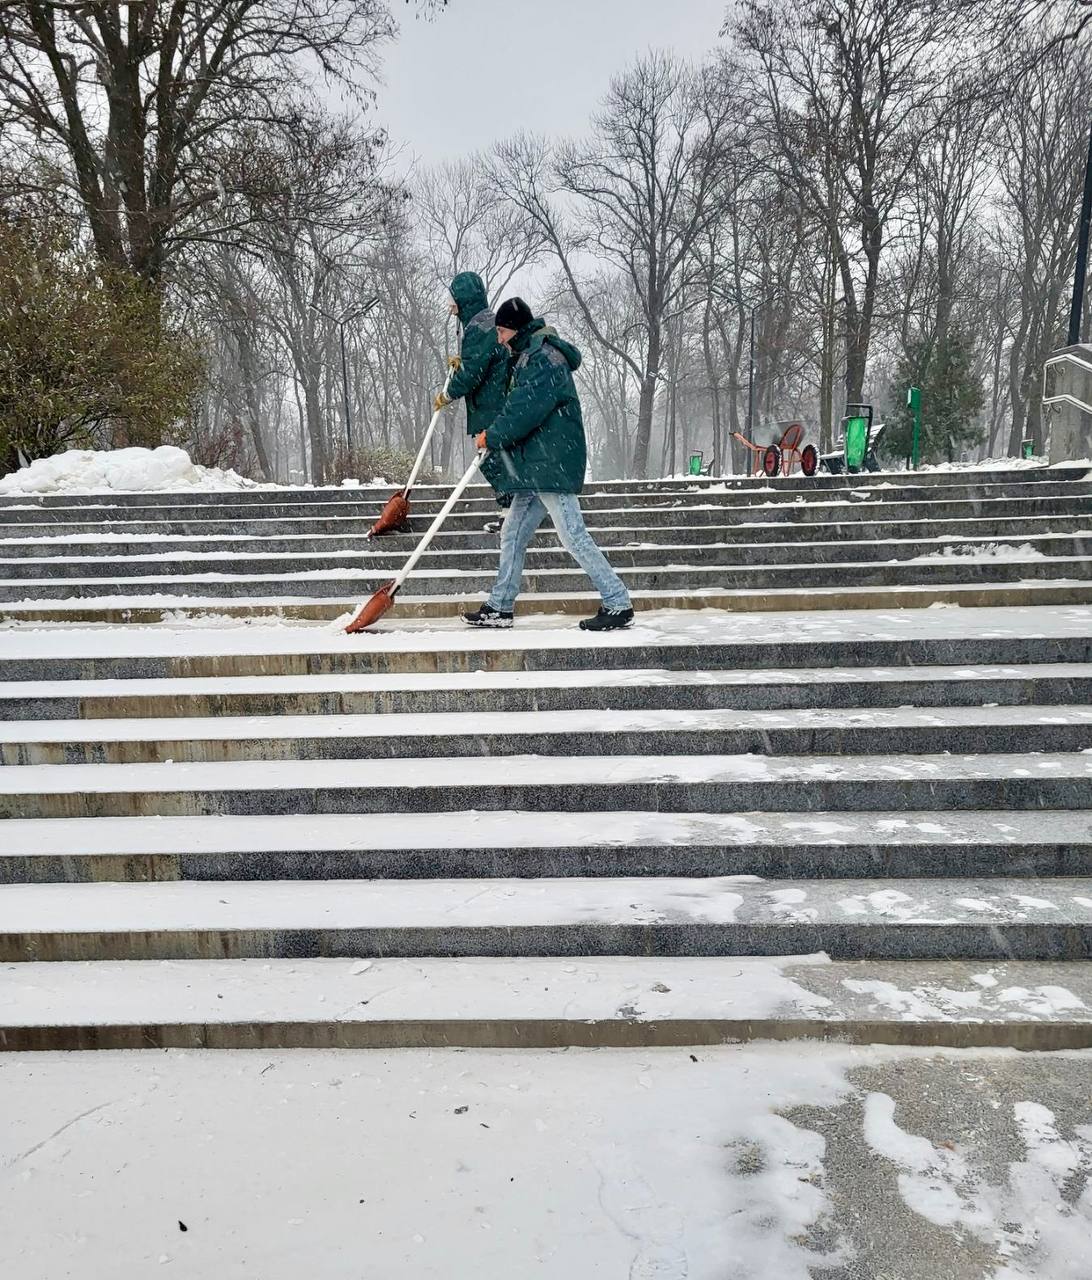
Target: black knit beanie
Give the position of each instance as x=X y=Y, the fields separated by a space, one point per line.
x=513 y=313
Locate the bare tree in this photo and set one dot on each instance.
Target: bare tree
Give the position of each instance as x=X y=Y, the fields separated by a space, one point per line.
x=1045 y=139
x=466 y=224
x=636 y=196
x=843 y=95
x=318 y=206
x=138 y=101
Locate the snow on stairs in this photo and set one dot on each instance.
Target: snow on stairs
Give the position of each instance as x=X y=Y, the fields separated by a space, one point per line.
x=989 y=538
x=717 y=826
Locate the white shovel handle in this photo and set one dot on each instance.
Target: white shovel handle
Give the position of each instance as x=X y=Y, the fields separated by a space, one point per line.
x=441 y=516
x=428 y=436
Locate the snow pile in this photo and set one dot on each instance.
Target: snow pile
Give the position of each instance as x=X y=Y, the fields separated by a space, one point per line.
x=166 y=469
x=982 y=551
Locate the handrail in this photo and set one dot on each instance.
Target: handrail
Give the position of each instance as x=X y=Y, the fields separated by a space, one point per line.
x=1068 y=355
x=1068 y=399
x=1065 y=397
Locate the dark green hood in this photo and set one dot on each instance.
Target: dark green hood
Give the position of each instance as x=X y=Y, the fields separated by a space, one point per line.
x=538 y=332
x=468 y=290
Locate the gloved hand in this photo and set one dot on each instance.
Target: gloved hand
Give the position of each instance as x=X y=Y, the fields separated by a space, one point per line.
x=441 y=402
x=479 y=440
x=454 y=363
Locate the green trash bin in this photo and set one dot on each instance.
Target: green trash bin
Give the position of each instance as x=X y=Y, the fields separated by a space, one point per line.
x=1027 y=448
x=695 y=464
x=856 y=433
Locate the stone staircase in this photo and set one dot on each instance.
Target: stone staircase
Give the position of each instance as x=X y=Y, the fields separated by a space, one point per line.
x=830 y=543
x=237 y=827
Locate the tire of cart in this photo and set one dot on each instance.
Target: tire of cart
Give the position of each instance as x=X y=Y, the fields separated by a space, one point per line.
x=771 y=461
x=809 y=460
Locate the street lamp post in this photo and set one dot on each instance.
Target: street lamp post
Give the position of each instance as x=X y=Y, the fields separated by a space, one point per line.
x=345 y=389
x=751 y=378
x=354 y=313
x=1083 y=230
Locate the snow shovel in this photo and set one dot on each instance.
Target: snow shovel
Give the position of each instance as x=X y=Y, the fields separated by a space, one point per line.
x=372 y=610
x=395 y=512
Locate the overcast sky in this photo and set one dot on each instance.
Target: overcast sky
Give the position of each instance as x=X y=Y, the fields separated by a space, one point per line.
x=484 y=69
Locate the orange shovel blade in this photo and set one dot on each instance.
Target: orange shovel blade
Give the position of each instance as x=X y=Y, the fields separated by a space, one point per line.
x=392 y=516
x=372 y=610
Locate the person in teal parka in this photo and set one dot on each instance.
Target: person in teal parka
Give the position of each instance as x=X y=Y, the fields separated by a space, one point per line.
x=537 y=453
x=479 y=374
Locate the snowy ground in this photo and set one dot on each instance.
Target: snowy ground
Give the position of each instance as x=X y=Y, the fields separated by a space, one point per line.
x=754 y=1163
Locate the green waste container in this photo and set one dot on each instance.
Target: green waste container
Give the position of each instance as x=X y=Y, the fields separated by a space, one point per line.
x=695 y=464
x=856 y=431
x=1027 y=448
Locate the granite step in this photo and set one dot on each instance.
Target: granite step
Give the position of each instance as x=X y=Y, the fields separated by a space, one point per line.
x=492 y=733
x=52 y=521
x=340 y=583
x=502 y=844
x=655 y=553
x=458 y=784
x=349 y=502
x=792 y=485
x=924 y=532
x=683 y=644
x=183 y=608
x=543 y=1002
x=889 y=919
x=718 y=685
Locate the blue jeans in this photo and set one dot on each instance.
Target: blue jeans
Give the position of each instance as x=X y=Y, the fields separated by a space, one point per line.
x=524 y=517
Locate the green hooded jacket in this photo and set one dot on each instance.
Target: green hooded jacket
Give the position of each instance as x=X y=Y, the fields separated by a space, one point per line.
x=483 y=376
x=537 y=440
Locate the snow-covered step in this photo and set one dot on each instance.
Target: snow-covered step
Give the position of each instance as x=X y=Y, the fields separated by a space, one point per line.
x=695 y=641
x=145 y=608
x=516 y=692
x=688 y=576
x=220 y=519
x=674 y=731
x=520 y=1002
x=560 y=843
x=656 y=551
x=975 y=478
x=696 y=784
x=800 y=537
x=479 y=499
x=925 y=533
x=1031 y=919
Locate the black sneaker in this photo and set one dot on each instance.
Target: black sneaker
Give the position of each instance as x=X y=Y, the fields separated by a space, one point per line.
x=487 y=617
x=493 y=526
x=607 y=620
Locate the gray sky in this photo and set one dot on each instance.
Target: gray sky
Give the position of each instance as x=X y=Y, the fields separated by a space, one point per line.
x=484 y=69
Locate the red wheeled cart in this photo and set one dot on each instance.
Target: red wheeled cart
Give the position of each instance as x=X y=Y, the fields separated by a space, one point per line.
x=781 y=458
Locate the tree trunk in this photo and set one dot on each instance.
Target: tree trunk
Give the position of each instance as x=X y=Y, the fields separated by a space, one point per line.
x=313 y=406
x=645 y=405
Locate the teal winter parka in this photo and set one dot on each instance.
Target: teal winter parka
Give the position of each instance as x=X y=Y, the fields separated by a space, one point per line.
x=482 y=377
x=537 y=440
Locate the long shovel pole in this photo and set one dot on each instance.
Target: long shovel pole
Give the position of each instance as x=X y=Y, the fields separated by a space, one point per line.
x=434 y=527
x=425 y=442
x=377 y=605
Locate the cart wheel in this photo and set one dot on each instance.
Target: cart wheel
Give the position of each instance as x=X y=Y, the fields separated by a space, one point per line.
x=809 y=460
x=771 y=461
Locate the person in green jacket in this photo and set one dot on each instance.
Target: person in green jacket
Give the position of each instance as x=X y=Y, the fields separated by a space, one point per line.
x=479 y=373
x=538 y=454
